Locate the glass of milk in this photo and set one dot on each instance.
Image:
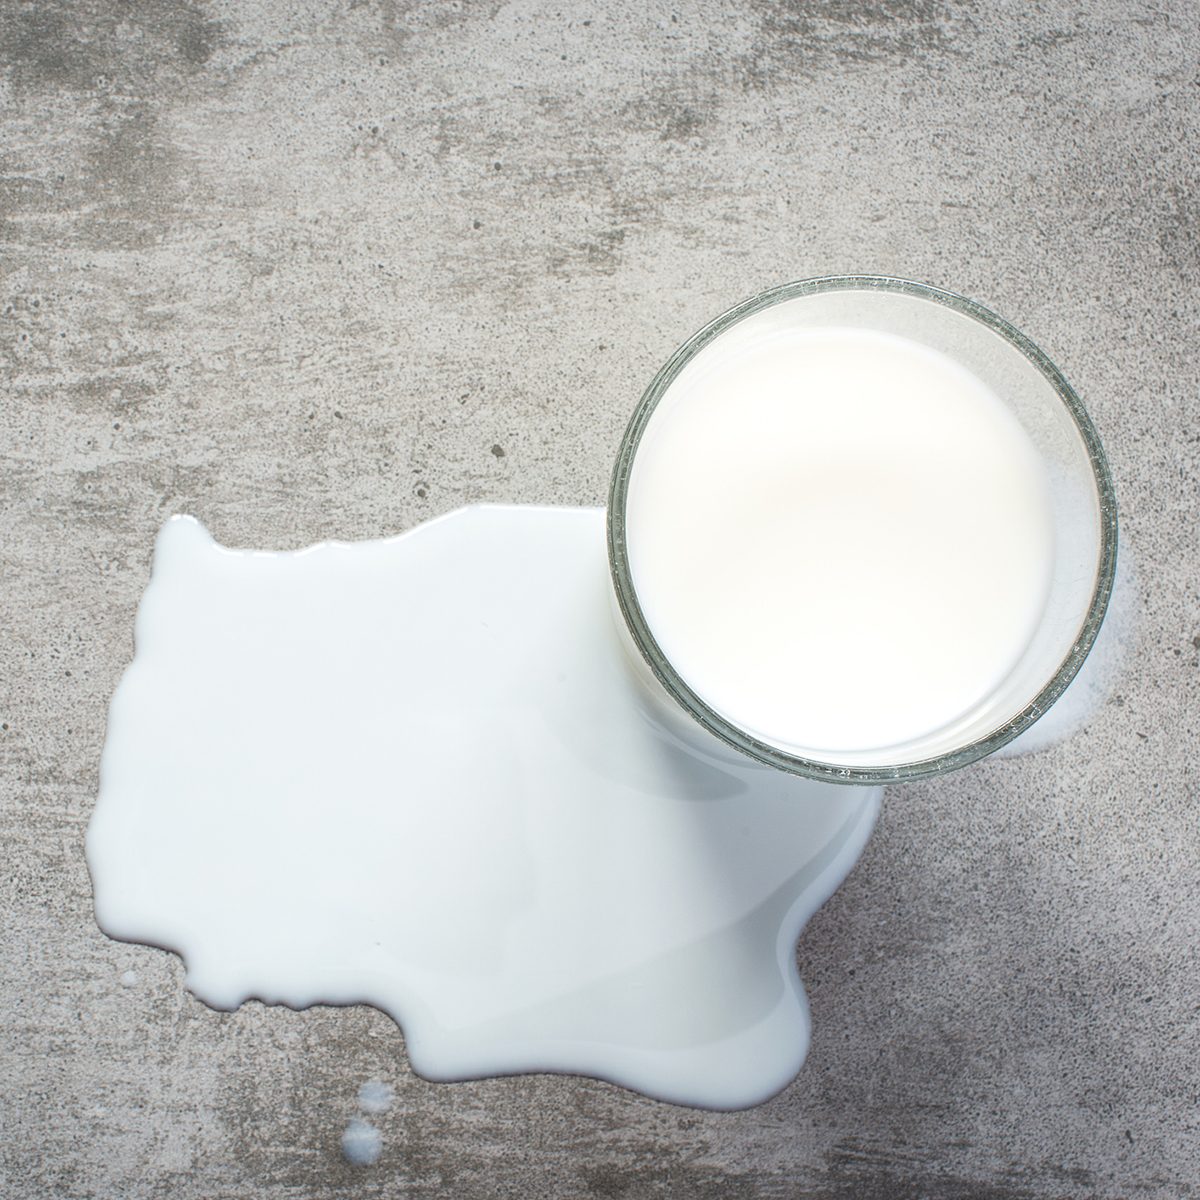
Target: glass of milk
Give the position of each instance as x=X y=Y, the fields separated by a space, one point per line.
x=862 y=529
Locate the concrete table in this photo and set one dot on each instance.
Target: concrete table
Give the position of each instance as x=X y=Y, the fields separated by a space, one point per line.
x=326 y=270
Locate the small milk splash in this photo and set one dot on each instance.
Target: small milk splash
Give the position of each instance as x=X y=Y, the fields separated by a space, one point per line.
x=375 y=1097
x=420 y=773
x=362 y=1143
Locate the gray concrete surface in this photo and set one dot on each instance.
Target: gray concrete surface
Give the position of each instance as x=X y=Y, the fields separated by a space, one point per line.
x=311 y=270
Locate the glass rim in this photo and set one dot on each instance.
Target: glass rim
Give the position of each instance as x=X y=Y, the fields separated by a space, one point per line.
x=691 y=702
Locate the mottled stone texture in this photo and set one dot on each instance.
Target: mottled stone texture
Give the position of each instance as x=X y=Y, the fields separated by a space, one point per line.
x=312 y=270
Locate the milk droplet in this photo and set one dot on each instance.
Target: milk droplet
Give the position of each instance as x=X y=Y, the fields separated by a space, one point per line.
x=375 y=1097
x=362 y=1143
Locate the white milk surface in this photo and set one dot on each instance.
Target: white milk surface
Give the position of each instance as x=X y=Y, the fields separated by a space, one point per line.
x=841 y=539
x=419 y=773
